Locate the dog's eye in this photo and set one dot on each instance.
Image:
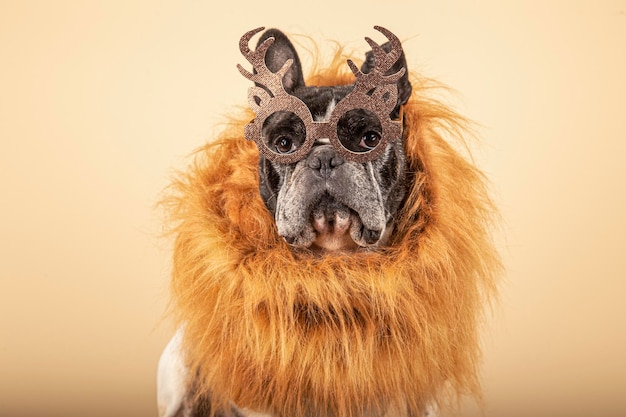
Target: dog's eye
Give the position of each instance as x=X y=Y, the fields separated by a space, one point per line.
x=284 y=144
x=370 y=140
x=359 y=130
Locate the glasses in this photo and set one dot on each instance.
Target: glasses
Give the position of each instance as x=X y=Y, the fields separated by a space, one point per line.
x=373 y=97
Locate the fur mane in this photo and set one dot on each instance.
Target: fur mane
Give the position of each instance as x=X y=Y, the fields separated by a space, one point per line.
x=294 y=334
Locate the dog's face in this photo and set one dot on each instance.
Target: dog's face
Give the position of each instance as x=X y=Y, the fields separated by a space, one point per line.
x=325 y=199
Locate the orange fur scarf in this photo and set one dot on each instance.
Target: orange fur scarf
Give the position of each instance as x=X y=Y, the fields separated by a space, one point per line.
x=341 y=335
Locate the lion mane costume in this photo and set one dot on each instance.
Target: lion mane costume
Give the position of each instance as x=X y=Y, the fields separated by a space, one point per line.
x=291 y=333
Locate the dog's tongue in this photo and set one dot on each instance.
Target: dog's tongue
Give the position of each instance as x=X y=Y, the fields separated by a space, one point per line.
x=333 y=227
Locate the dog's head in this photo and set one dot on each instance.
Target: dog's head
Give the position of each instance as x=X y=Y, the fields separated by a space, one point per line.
x=332 y=159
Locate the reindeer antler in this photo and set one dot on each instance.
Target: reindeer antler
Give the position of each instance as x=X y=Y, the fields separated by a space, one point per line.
x=273 y=81
x=383 y=62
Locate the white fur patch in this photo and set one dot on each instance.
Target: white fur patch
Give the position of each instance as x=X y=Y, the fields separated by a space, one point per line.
x=325 y=118
x=329 y=111
x=171 y=377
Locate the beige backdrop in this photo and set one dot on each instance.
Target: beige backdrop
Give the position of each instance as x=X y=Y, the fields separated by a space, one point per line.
x=100 y=101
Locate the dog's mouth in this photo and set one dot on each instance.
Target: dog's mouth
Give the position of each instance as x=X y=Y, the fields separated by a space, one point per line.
x=333 y=226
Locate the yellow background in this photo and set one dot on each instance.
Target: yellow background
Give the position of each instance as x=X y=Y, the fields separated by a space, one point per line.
x=100 y=101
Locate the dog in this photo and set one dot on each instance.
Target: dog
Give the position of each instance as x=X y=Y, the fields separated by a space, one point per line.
x=336 y=262
x=326 y=199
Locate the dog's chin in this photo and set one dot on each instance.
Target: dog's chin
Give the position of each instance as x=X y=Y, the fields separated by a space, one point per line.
x=334 y=244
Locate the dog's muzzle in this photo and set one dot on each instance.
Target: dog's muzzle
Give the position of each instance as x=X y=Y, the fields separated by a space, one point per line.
x=337 y=208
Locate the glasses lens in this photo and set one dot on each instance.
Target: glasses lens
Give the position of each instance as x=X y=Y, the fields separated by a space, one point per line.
x=359 y=130
x=283 y=132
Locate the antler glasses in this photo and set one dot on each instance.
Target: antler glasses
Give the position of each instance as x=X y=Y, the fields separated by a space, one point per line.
x=373 y=92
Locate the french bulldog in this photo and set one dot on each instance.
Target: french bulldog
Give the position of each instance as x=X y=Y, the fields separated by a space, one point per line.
x=333 y=174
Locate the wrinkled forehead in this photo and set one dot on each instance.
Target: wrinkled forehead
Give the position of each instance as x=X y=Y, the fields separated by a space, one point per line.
x=318 y=99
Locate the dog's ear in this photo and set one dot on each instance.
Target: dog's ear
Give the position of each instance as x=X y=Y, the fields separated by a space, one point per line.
x=280 y=51
x=404 y=85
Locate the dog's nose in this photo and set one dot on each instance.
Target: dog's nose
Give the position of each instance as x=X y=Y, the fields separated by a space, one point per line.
x=324 y=159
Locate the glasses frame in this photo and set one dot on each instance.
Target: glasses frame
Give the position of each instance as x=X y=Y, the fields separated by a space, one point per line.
x=380 y=103
x=373 y=91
